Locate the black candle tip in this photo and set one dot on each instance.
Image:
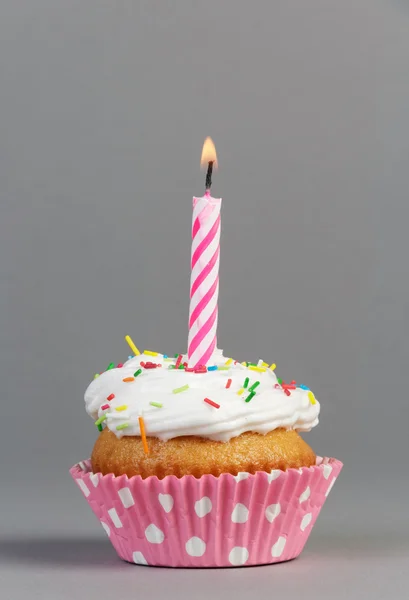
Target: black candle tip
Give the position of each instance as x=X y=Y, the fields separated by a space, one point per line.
x=209 y=175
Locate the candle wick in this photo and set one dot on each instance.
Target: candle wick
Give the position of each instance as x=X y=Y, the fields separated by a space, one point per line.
x=209 y=176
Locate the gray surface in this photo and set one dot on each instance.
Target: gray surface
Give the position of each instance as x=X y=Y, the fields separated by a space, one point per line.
x=103 y=109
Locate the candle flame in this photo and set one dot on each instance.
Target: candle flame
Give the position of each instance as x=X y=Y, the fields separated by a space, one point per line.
x=208 y=153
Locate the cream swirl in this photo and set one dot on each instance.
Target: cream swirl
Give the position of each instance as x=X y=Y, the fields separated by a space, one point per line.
x=186 y=412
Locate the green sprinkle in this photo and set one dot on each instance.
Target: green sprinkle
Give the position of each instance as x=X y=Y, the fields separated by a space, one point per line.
x=253 y=387
x=157 y=404
x=246 y=382
x=181 y=389
x=123 y=426
x=223 y=368
x=176 y=355
x=250 y=396
x=110 y=366
x=181 y=367
x=96 y=375
x=99 y=421
x=249 y=364
x=99 y=427
x=138 y=372
x=280 y=381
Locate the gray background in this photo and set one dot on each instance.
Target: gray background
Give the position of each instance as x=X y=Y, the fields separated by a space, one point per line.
x=104 y=106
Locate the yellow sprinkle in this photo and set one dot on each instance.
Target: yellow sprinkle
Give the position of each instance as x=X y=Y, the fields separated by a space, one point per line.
x=121 y=408
x=312 y=398
x=96 y=375
x=132 y=346
x=264 y=364
x=273 y=366
x=239 y=393
x=244 y=364
x=258 y=369
x=150 y=353
x=228 y=361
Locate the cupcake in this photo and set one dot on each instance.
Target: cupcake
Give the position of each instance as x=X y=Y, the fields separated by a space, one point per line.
x=203 y=467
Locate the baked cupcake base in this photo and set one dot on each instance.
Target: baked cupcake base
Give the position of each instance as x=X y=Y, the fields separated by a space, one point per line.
x=225 y=521
x=250 y=452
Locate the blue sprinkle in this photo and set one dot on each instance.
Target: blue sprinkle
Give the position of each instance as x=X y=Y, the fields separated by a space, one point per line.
x=304 y=387
x=129 y=357
x=165 y=356
x=212 y=368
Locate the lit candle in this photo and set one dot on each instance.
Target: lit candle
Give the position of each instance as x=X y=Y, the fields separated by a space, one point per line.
x=204 y=282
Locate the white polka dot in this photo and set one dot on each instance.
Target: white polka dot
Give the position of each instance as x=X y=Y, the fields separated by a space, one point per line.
x=273 y=475
x=272 y=512
x=306 y=520
x=241 y=476
x=83 y=487
x=126 y=497
x=327 y=470
x=300 y=471
x=106 y=527
x=238 y=556
x=154 y=535
x=94 y=478
x=166 y=501
x=82 y=466
x=240 y=513
x=139 y=558
x=195 y=546
x=115 y=518
x=330 y=486
x=278 y=547
x=203 y=506
x=305 y=495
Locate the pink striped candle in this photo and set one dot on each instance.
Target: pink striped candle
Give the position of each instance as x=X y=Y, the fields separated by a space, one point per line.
x=204 y=282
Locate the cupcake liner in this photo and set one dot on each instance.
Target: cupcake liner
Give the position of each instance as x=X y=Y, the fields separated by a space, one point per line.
x=223 y=521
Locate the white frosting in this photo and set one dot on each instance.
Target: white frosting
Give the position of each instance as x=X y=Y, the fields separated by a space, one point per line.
x=186 y=413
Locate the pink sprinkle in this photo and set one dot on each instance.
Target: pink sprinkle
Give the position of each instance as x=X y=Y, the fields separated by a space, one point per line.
x=228 y=384
x=105 y=407
x=277 y=386
x=179 y=360
x=119 y=365
x=189 y=370
x=142 y=363
x=208 y=401
x=201 y=369
x=286 y=391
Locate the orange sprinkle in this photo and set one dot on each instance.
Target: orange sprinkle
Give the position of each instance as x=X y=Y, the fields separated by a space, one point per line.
x=143 y=435
x=128 y=379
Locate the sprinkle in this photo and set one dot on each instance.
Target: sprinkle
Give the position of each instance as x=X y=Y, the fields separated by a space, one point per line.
x=223 y=368
x=123 y=426
x=96 y=375
x=312 y=398
x=105 y=406
x=213 y=368
x=165 y=356
x=130 y=356
x=110 y=366
x=200 y=369
x=250 y=396
x=273 y=366
x=244 y=364
x=208 y=401
x=110 y=397
x=142 y=363
x=181 y=367
x=287 y=392
x=246 y=382
x=150 y=365
x=253 y=387
x=228 y=383
x=239 y=393
x=303 y=387
x=150 y=353
x=258 y=369
x=121 y=408
x=128 y=379
x=179 y=360
x=264 y=364
x=176 y=355
x=189 y=370
x=99 y=427
x=119 y=365
x=181 y=389
x=132 y=346
x=143 y=434
x=157 y=404
x=260 y=363
x=228 y=361
x=100 y=420
x=138 y=372
x=280 y=381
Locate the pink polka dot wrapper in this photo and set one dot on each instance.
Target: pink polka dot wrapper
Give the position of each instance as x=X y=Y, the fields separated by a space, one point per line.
x=227 y=521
